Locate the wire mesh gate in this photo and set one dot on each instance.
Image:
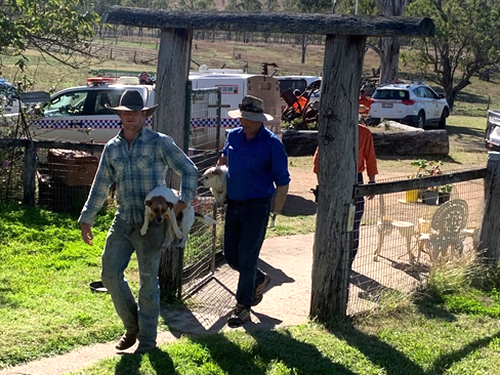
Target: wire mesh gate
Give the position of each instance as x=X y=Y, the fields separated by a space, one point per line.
x=205 y=243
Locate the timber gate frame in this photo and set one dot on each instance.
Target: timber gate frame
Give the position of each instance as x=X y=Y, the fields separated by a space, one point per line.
x=337 y=131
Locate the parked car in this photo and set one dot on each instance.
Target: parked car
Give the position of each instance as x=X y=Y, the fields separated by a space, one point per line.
x=79 y=114
x=492 y=134
x=409 y=103
x=9 y=105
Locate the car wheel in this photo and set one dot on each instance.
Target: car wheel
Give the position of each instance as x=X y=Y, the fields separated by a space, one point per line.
x=444 y=115
x=421 y=120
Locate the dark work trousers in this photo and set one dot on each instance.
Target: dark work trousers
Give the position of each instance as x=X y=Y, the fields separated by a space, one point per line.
x=244 y=232
x=360 y=209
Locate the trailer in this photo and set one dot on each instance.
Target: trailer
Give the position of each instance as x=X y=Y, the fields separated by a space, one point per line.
x=234 y=85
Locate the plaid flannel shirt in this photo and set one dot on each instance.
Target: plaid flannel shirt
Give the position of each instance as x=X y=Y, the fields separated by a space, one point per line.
x=137 y=170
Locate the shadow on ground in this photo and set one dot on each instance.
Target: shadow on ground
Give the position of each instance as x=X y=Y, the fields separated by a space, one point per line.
x=296 y=205
x=207 y=309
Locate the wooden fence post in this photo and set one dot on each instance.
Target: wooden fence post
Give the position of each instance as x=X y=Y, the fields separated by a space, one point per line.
x=489 y=241
x=337 y=137
x=172 y=76
x=29 y=173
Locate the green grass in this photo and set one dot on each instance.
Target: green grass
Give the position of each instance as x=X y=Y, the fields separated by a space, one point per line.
x=405 y=341
x=45 y=304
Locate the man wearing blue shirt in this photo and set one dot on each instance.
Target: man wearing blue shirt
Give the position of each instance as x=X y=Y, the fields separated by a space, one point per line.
x=257 y=169
x=137 y=160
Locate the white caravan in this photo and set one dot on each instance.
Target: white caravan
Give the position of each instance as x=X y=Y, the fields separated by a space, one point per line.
x=234 y=85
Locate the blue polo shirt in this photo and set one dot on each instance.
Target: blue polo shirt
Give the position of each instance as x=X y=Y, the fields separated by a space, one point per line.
x=255 y=166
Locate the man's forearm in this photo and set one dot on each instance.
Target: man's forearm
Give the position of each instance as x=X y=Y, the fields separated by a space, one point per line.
x=280 y=198
x=222 y=160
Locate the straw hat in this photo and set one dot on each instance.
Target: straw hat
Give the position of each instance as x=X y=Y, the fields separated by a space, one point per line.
x=251 y=108
x=131 y=100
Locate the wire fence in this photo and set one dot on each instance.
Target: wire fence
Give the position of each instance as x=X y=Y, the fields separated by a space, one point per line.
x=403 y=235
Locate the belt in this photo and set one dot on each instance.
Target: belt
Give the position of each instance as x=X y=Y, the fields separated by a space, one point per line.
x=248 y=202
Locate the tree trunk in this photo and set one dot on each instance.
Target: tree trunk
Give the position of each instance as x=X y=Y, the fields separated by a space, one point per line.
x=389 y=64
x=173 y=71
x=389 y=61
x=304 y=48
x=429 y=142
x=337 y=136
x=413 y=142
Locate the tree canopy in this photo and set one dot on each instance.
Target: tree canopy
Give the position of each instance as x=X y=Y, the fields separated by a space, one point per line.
x=465 y=44
x=61 y=29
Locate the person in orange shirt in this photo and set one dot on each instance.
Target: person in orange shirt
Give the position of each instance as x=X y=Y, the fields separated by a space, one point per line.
x=364 y=103
x=366 y=161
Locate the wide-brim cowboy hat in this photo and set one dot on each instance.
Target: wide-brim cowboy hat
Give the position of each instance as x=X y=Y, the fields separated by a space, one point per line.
x=251 y=108
x=131 y=100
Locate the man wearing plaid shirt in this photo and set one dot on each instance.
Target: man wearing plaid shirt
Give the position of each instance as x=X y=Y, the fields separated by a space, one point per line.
x=137 y=160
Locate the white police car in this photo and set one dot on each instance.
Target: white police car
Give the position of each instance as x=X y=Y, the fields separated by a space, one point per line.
x=79 y=114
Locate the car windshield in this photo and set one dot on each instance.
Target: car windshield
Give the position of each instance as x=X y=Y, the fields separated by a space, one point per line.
x=292 y=84
x=391 y=94
x=68 y=104
x=109 y=97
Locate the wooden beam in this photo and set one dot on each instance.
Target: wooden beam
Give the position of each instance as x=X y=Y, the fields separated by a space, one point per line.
x=292 y=23
x=417 y=183
x=91 y=147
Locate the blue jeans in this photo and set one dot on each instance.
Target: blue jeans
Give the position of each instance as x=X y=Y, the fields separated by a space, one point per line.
x=139 y=317
x=244 y=232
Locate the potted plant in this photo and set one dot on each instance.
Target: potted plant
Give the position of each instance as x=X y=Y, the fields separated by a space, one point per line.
x=430 y=196
x=425 y=168
x=444 y=193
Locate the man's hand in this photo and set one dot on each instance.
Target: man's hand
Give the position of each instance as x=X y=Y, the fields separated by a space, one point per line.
x=178 y=207
x=87 y=235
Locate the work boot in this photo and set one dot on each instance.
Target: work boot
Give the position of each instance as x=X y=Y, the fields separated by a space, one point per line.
x=127 y=341
x=258 y=292
x=239 y=316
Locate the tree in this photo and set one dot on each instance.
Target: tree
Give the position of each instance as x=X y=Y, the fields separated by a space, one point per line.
x=307 y=6
x=386 y=48
x=466 y=41
x=244 y=5
x=197 y=5
x=60 y=29
x=389 y=47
